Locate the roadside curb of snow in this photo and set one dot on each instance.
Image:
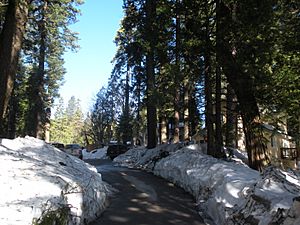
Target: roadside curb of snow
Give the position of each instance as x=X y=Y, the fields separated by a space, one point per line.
x=221 y=188
x=59 y=186
x=227 y=195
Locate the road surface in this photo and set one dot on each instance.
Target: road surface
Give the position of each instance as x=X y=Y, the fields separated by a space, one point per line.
x=144 y=199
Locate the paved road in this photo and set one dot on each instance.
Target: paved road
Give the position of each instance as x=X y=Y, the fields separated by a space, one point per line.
x=144 y=199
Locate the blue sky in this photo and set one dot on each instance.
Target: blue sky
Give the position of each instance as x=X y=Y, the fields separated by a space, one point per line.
x=89 y=68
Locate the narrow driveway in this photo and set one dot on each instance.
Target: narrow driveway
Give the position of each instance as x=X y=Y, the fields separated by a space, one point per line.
x=144 y=199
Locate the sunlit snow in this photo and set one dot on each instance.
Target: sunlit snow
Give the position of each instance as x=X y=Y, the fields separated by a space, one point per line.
x=227 y=192
x=37 y=179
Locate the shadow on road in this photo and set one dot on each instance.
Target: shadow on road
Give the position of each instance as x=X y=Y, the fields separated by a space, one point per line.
x=144 y=199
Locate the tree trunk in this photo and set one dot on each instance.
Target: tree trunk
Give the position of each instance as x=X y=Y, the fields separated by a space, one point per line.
x=127 y=132
x=36 y=117
x=177 y=77
x=218 y=116
x=208 y=91
x=12 y=115
x=150 y=74
x=298 y=140
x=218 y=119
x=231 y=119
x=209 y=108
x=164 y=134
x=193 y=113
x=10 y=45
x=242 y=84
x=186 y=116
x=138 y=123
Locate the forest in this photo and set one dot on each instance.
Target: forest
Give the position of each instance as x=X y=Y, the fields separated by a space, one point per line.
x=182 y=68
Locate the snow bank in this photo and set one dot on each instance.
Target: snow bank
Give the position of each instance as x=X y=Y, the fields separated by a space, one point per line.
x=145 y=158
x=95 y=154
x=228 y=192
x=38 y=181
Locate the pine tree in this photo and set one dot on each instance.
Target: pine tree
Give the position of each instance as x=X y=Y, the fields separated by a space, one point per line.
x=11 y=38
x=68 y=123
x=208 y=64
x=48 y=37
x=238 y=59
x=149 y=35
x=18 y=105
x=58 y=123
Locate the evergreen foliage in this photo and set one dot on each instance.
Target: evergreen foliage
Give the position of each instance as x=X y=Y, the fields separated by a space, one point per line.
x=67 y=124
x=176 y=63
x=254 y=44
x=47 y=36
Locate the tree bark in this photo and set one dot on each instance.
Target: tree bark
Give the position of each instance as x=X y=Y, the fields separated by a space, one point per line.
x=193 y=113
x=209 y=108
x=12 y=116
x=208 y=92
x=231 y=119
x=150 y=74
x=138 y=122
x=177 y=77
x=186 y=115
x=37 y=115
x=163 y=130
x=218 y=117
x=10 y=45
x=243 y=86
x=127 y=132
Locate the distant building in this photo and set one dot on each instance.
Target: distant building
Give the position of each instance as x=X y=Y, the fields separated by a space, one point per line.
x=281 y=147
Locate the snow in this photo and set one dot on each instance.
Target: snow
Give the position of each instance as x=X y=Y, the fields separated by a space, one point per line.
x=227 y=192
x=38 y=180
x=95 y=154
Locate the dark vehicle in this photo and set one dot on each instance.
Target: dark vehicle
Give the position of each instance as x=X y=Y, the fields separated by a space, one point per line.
x=116 y=149
x=74 y=149
x=58 y=145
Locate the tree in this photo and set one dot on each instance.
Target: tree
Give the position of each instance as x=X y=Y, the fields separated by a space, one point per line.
x=18 y=105
x=177 y=70
x=218 y=105
x=47 y=38
x=125 y=121
x=106 y=112
x=10 y=45
x=150 y=73
x=231 y=119
x=234 y=64
x=208 y=83
x=175 y=49
x=36 y=115
x=59 y=123
x=283 y=93
x=67 y=125
x=75 y=121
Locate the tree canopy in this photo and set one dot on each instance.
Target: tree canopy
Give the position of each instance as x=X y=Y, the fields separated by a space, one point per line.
x=180 y=68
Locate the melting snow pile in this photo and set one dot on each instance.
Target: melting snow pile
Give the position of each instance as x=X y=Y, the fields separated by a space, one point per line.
x=95 y=154
x=39 y=182
x=227 y=191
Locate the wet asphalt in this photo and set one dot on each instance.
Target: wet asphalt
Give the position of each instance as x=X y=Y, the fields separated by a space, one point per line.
x=144 y=199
